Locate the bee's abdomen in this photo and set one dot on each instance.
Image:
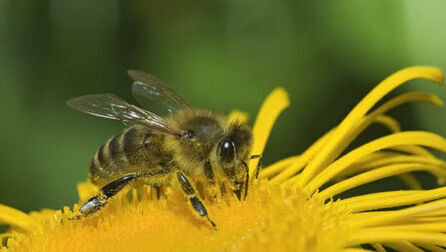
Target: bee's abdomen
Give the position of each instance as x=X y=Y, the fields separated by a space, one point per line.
x=130 y=151
x=108 y=159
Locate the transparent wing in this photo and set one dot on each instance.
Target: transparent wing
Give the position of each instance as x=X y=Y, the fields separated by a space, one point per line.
x=112 y=107
x=154 y=94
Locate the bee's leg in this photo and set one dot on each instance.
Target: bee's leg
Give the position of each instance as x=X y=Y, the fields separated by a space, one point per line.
x=246 y=179
x=193 y=198
x=158 y=190
x=111 y=189
x=209 y=173
x=259 y=164
x=97 y=202
x=238 y=185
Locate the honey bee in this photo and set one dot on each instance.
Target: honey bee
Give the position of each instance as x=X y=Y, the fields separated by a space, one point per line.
x=187 y=146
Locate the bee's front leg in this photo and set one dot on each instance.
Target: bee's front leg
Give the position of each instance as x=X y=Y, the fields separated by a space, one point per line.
x=238 y=185
x=196 y=203
x=212 y=183
x=259 y=164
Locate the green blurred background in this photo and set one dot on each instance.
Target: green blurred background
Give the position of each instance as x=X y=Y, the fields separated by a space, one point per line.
x=217 y=54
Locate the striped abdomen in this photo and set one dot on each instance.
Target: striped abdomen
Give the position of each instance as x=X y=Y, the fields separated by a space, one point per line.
x=135 y=149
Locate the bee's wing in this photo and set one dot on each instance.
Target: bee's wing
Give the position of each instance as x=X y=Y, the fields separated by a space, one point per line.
x=154 y=94
x=112 y=107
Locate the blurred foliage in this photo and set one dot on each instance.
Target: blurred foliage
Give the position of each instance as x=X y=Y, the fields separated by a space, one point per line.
x=217 y=54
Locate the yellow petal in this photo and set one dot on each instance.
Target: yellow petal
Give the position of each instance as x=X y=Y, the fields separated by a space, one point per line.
x=16 y=218
x=392 y=217
x=303 y=159
x=273 y=169
x=402 y=246
x=379 y=247
x=374 y=235
x=402 y=138
x=331 y=150
x=411 y=181
x=271 y=108
x=377 y=174
x=86 y=190
x=389 y=122
x=392 y=199
x=356 y=250
x=240 y=116
x=429 y=247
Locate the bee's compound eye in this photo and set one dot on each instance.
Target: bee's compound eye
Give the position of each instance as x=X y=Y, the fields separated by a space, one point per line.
x=226 y=150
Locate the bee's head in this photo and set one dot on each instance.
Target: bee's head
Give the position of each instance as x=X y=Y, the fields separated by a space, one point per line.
x=232 y=152
x=209 y=136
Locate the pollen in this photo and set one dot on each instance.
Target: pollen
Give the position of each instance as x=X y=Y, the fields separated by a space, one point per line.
x=265 y=219
x=297 y=204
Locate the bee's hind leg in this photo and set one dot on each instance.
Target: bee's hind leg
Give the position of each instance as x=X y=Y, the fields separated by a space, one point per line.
x=108 y=191
x=196 y=203
x=111 y=189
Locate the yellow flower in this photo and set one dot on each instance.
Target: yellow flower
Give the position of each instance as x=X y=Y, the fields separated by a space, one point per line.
x=290 y=207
